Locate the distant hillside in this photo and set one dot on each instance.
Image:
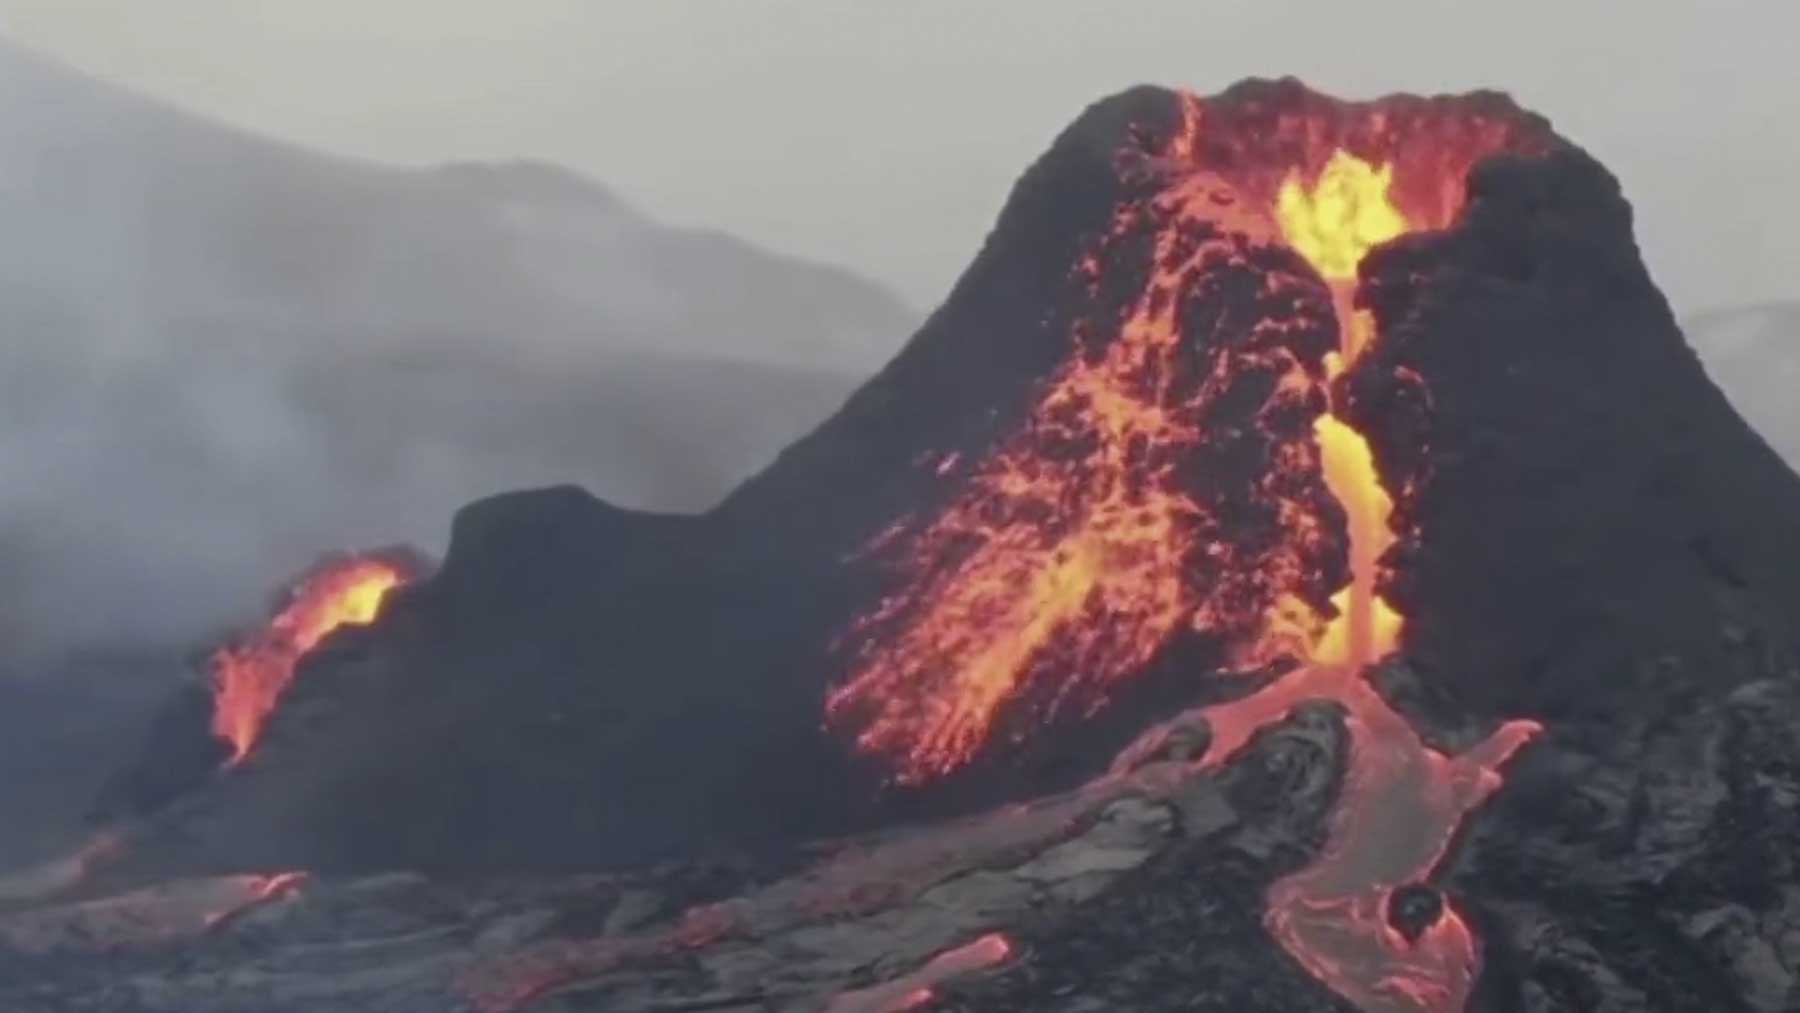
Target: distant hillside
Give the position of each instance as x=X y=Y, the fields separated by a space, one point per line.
x=1753 y=352
x=220 y=355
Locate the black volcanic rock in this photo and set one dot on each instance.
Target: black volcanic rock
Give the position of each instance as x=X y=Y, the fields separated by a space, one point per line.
x=1413 y=908
x=966 y=379
x=181 y=754
x=1079 y=882
x=1594 y=510
x=1202 y=895
x=1648 y=862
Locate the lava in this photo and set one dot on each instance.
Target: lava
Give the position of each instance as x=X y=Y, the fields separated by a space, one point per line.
x=1402 y=801
x=1080 y=549
x=249 y=677
x=919 y=989
x=1097 y=537
x=259 y=890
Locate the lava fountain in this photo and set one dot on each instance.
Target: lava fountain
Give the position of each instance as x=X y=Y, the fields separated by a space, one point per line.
x=1112 y=528
x=250 y=676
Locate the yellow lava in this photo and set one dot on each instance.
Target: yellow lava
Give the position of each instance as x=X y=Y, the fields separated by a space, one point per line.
x=1343 y=216
x=1334 y=224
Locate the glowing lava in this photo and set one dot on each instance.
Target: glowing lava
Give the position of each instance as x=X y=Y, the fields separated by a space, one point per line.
x=1099 y=535
x=249 y=677
x=1081 y=548
x=1402 y=801
x=259 y=891
x=919 y=989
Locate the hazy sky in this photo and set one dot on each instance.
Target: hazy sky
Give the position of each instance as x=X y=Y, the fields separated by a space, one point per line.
x=884 y=135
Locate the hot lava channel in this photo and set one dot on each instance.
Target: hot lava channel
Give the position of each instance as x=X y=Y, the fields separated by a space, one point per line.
x=1086 y=545
x=1402 y=800
x=250 y=675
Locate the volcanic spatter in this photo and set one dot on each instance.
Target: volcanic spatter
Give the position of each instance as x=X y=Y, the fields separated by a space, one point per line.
x=1111 y=525
x=249 y=676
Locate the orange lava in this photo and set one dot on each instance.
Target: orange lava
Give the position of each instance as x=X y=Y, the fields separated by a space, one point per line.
x=1082 y=548
x=249 y=677
x=919 y=989
x=1402 y=801
x=258 y=890
x=1075 y=554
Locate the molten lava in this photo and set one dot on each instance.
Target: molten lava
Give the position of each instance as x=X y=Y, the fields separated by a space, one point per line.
x=249 y=677
x=1334 y=224
x=918 y=990
x=1081 y=549
x=258 y=891
x=1101 y=535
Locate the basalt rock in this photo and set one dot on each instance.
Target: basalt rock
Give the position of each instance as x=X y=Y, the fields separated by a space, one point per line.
x=1648 y=864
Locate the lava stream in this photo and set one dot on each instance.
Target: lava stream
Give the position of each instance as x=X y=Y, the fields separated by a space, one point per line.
x=259 y=891
x=250 y=676
x=1401 y=801
x=1400 y=805
x=919 y=989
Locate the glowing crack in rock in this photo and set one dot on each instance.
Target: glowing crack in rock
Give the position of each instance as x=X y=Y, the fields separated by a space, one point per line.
x=261 y=890
x=1084 y=545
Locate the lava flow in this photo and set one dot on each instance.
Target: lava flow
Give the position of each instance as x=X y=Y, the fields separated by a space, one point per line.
x=918 y=990
x=1112 y=526
x=1402 y=801
x=249 y=677
x=258 y=891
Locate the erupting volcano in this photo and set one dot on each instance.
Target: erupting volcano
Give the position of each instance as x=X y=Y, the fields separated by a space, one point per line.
x=1094 y=539
x=1157 y=624
x=249 y=676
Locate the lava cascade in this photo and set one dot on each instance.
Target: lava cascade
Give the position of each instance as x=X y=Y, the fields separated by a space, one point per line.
x=249 y=677
x=1085 y=546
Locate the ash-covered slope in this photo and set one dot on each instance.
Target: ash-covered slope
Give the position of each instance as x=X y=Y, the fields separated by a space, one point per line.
x=1116 y=476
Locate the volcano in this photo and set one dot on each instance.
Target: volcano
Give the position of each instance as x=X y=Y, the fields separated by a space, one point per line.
x=1300 y=567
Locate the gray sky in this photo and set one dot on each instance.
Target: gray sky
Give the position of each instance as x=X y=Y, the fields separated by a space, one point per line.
x=884 y=136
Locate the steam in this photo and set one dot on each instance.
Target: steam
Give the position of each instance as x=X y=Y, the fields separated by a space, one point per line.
x=221 y=357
